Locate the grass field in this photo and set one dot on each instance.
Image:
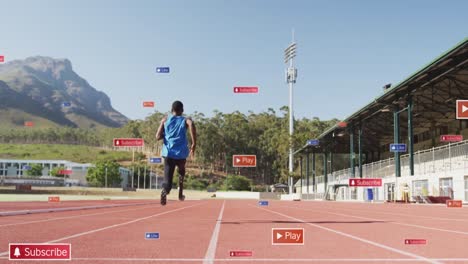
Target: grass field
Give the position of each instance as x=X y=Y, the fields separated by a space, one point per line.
x=76 y=153
x=15 y=118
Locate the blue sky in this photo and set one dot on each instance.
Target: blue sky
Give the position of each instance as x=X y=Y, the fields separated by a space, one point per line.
x=347 y=50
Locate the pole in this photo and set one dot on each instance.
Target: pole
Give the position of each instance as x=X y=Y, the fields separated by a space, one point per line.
x=396 y=136
x=325 y=173
x=410 y=135
x=138 y=183
x=106 y=176
x=301 y=177
x=4 y=173
x=313 y=173
x=133 y=161
x=132 y=176
x=395 y=190
x=351 y=152
x=291 y=75
x=291 y=131
x=144 y=178
x=360 y=150
x=396 y=139
x=450 y=156
x=307 y=174
x=151 y=171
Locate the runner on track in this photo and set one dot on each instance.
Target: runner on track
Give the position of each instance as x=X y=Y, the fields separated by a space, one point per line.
x=173 y=130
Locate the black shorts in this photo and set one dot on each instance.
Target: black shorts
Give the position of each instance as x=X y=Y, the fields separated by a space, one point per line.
x=169 y=168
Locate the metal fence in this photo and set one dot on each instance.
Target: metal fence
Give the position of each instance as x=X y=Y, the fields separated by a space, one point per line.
x=443 y=159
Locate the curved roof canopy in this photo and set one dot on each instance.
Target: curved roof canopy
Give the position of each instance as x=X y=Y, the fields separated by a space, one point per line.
x=434 y=90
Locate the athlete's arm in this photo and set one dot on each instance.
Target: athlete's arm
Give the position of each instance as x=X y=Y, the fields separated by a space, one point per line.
x=193 y=135
x=160 y=133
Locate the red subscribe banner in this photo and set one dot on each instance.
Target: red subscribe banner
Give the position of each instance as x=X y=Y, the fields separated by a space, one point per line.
x=128 y=142
x=241 y=253
x=451 y=138
x=454 y=203
x=34 y=251
x=249 y=89
x=54 y=199
x=415 y=242
x=354 y=182
x=148 y=104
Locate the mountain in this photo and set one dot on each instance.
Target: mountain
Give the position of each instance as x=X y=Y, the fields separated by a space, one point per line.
x=35 y=89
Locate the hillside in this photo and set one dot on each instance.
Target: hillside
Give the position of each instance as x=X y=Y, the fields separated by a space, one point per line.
x=16 y=118
x=75 y=153
x=37 y=88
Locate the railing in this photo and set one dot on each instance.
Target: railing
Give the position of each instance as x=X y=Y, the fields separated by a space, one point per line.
x=442 y=160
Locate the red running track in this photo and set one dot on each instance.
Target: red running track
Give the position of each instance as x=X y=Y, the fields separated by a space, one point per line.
x=21 y=206
x=206 y=231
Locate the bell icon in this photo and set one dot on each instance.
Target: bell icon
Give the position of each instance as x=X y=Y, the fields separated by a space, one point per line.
x=17 y=252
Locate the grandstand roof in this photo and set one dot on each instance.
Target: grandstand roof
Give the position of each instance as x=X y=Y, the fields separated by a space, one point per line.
x=434 y=89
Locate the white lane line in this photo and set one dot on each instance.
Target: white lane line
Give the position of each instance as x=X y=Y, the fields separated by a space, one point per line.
x=407 y=215
x=109 y=227
x=62 y=209
x=359 y=260
x=211 y=251
x=402 y=252
x=76 y=216
x=390 y=222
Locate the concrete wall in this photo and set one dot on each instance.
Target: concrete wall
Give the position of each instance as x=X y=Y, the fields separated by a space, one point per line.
x=238 y=195
x=270 y=195
x=290 y=197
x=433 y=180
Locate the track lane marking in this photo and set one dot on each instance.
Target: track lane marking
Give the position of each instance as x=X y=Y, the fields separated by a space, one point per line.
x=390 y=222
x=111 y=226
x=63 y=209
x=402 y=252
x=268 y=259
x=397 y=214
x=211 y=251
x=76 y=216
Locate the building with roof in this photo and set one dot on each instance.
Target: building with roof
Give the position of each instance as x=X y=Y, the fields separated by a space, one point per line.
x=16 y=169
x=416 y=112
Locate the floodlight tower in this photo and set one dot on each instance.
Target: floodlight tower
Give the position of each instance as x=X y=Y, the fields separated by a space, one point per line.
x=291 y=75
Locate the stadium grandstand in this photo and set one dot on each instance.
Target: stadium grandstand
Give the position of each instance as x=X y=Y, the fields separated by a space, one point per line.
x=417 y=112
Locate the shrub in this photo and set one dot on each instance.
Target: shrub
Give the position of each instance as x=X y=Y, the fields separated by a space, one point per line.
x=259 y=188
x=237 y=183
x=195 y=184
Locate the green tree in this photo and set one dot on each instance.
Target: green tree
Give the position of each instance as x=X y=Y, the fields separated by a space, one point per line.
x=195 y=183
x=55 y=171
x=96 y=176
x=220 y=136
x=36 y=170
x=237 y=183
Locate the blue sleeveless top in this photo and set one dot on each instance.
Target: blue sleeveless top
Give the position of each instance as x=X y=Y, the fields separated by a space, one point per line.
x=175 y=144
